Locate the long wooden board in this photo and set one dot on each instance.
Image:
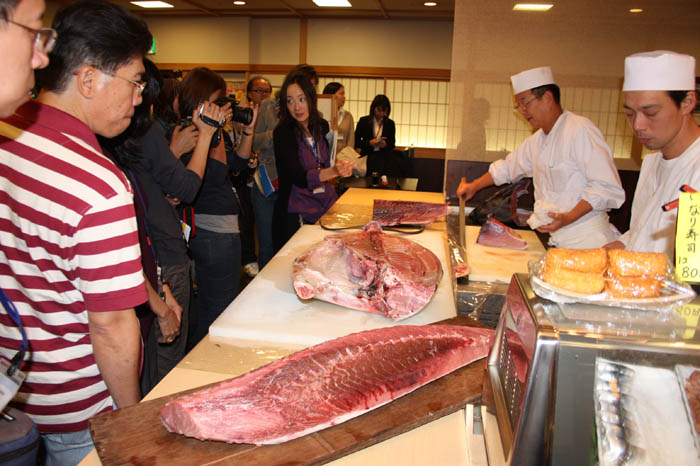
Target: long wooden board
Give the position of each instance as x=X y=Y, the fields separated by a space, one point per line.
x=136 y=435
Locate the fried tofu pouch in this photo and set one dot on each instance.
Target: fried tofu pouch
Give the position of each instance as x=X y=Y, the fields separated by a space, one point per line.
x=577 y=270
x=634 y=287
x=637 y=264
x=573 y=280
x=635 y=274
x=580 y=260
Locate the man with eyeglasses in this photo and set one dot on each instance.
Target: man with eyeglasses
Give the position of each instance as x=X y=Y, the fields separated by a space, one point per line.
x=660 y=98
x=69 y=255
x=25 y=47
x=576 y=182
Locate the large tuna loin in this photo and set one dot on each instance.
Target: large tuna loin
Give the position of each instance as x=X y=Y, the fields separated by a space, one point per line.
x=494 y=233
x=388 y=213
x=324 y=385
x=369 y=271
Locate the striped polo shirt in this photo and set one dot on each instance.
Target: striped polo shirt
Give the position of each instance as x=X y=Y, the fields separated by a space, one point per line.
x=68 y=244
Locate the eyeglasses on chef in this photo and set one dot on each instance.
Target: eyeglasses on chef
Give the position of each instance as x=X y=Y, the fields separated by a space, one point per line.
x=44 y=38
x=522 y=106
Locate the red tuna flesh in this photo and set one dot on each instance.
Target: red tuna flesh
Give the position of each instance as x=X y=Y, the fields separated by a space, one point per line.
x=388 y=213
x=325 y=385
x=494 y=233
x=369 y=271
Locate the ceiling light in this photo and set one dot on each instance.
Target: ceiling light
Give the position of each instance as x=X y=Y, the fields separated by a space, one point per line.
x=152 y=4
x=239 y=2
x=532 y=6
x=430 y=4
x=333 y=3
x=636 y=10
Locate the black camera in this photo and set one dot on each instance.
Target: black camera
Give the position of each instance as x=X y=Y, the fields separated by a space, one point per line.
x=240 y=114
x=184 y=122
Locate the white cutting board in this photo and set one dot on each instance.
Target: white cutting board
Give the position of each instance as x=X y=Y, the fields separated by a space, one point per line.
x=268 y=311
x=490 y=264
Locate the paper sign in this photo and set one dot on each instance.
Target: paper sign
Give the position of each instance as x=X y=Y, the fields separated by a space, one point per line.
x=9 y=385
x=691 y=314
x=688 y=238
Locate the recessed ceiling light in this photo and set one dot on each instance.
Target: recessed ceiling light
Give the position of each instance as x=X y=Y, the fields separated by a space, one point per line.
x=636 y=10
x=239 y=2
x=152 y=4
x=532 y=6
x=333 y=3
x=430 y=4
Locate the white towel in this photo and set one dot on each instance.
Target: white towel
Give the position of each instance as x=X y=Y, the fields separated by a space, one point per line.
x=540 y=215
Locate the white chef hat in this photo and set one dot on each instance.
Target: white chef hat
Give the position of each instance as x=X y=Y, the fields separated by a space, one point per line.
x=531 y=79
x=659 y=71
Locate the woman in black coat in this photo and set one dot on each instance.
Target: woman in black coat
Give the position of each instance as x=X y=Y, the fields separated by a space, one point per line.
x=375 y=138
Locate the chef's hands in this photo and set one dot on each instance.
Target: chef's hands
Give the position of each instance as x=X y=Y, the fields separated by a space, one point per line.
x=466 y=190
x=559 y=221
x=344 y=168
x=615 y=245
x=169 y=317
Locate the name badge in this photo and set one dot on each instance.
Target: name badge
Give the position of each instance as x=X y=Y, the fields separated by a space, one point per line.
x=319 y=190
x=9 y=385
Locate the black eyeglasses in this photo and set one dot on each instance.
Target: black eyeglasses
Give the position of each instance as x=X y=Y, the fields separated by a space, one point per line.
x=44 y=38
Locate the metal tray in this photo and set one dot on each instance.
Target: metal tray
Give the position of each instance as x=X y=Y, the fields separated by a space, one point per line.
x=683 y=372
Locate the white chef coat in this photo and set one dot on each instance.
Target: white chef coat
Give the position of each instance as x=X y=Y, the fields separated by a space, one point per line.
x=571 y=163
x=660 y=180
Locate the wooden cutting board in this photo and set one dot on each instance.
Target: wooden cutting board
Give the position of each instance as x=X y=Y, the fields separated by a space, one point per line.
x=135 y=435
x=490 y=264
x=269 y=312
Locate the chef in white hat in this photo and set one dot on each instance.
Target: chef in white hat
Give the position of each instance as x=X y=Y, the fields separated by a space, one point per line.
x=660 y=96
x=576 y=182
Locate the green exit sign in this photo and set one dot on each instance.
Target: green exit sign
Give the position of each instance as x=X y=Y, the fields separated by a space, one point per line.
x=153 y=47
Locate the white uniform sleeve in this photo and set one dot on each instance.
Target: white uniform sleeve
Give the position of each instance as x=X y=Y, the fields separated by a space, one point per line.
x=594 y=157
x=517 y=165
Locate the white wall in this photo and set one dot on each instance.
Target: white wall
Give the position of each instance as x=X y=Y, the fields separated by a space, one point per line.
x=396 y=44
x=200 y=40
x=276 y=42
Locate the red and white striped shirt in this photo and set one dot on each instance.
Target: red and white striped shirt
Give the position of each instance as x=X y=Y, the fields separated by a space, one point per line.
x=68 y=244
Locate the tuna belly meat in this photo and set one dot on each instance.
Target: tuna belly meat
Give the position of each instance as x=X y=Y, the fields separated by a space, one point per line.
x=494 y=233
x=325 y=385
x=369 y=271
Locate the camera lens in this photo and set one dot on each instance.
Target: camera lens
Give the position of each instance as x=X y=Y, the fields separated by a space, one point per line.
x=242 y=115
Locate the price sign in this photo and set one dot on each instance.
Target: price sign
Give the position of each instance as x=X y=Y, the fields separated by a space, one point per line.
x=691 y=314
x=688 y=238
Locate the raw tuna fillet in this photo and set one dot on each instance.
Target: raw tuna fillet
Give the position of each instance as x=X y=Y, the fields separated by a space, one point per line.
x=369 y=271
x=388 y=213
x=325 y=385
x=494 y=233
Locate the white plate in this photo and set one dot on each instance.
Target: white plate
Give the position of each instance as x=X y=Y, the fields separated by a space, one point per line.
x=673 y=294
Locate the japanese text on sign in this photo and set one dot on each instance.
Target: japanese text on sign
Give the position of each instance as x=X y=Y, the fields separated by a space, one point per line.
x=688 y=237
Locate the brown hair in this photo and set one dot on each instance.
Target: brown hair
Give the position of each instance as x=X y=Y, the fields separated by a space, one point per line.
x=197 y=86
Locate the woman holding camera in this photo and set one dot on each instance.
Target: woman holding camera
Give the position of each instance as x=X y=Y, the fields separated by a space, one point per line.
x=303 y=161
x=213 y=216
x=375 y=138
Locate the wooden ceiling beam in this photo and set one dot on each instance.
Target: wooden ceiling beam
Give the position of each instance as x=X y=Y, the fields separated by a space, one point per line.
x=292 y=9
x=382 y=9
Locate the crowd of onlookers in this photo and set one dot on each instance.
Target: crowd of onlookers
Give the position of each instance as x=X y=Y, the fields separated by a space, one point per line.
x=132 y=200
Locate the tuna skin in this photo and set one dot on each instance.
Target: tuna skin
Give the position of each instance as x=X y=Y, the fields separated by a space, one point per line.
x=325 y=385
x=390 y=213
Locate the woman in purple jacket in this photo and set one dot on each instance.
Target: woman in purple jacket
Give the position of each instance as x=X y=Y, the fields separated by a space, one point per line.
x=302 y=157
